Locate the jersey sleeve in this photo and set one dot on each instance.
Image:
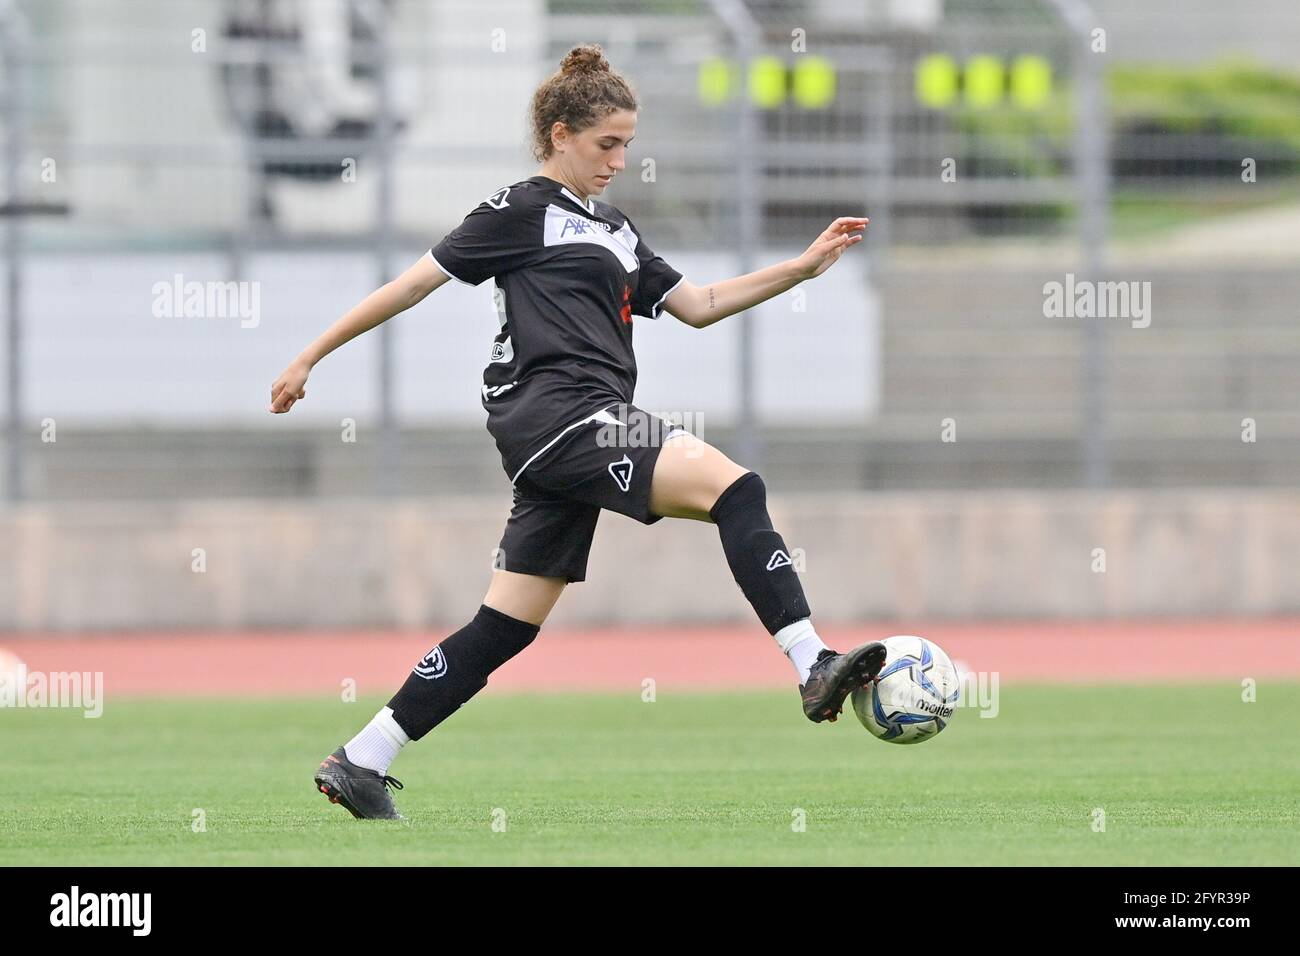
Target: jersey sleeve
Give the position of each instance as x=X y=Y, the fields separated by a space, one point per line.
x=491 y=240
x=657 y=280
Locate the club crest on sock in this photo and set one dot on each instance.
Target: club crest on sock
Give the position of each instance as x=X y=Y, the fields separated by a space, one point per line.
x=432 y=665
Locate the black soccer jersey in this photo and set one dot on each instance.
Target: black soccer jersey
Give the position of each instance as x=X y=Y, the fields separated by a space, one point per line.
x=569 y=278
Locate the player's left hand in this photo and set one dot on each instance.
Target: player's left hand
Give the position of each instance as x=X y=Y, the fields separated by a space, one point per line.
x=830 y=245
x=289 y=387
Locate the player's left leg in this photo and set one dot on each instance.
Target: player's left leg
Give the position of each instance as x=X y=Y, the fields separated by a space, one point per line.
x=545 y=546
x=692 y=479
x=356 y=774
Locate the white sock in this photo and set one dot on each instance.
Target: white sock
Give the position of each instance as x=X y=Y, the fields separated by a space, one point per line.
x=801 y=644
x=378 y=743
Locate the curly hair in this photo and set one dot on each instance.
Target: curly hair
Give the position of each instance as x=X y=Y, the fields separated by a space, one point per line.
x=580 y=94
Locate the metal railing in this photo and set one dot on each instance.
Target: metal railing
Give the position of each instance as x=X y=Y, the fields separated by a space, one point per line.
x=230 y=128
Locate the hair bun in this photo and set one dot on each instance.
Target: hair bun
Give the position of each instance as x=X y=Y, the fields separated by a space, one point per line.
x=587 y=58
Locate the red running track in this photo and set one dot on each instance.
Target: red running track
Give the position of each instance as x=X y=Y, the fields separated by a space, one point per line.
x=287 y=662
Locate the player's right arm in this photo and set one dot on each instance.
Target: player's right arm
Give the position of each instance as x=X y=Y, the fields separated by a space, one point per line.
x=375 y=309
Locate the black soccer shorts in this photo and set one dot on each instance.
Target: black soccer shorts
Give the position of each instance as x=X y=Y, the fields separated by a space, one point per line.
x=606 y=462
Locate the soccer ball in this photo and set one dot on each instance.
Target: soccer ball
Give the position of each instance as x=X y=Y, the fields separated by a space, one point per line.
x=915 y=694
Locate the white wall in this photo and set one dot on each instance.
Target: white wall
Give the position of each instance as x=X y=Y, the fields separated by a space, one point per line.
x=97 y=353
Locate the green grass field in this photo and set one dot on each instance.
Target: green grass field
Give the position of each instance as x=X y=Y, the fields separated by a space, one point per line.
x=1185 y=775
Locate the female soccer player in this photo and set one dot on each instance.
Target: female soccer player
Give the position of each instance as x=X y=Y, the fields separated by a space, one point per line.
x=570 y=273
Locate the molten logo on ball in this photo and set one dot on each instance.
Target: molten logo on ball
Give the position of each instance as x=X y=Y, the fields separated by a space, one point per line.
x=913 y=697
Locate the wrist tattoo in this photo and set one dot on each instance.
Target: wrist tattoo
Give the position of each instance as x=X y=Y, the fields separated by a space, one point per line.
x=712 y=301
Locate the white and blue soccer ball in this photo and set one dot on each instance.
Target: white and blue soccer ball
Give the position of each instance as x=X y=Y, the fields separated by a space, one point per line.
x=914 y=695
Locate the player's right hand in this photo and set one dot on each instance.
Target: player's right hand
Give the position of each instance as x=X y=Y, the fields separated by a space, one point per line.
x=288 y=388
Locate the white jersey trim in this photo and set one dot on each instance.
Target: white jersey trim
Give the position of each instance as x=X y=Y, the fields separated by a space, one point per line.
x=450 y=274
x=595 y=416
x=655 y=310
x=588 y=205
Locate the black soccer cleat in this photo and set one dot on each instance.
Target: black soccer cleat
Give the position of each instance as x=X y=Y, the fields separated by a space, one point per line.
x=833 y=676
x=362 y=792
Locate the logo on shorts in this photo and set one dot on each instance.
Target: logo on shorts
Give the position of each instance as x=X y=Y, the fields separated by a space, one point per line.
x=779 y=559
x=432 y=665
x=621 y=471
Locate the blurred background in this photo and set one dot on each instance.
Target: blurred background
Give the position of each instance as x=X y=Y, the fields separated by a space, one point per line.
x=192 y=190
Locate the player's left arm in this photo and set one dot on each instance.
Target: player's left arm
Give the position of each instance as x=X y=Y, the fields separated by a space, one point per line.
x=700 y=306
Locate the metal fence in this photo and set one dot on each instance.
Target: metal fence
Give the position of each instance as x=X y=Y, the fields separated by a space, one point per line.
x=312 y=148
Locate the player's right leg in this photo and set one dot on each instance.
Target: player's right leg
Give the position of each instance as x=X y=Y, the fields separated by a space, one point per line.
x=544 y=548
x=692 y=479
x=628 y=461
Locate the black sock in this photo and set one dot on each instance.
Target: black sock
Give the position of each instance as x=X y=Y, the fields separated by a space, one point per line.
x=760 y=562
x=457 y=669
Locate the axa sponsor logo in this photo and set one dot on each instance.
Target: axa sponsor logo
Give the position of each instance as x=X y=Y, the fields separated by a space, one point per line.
x=574 y=226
